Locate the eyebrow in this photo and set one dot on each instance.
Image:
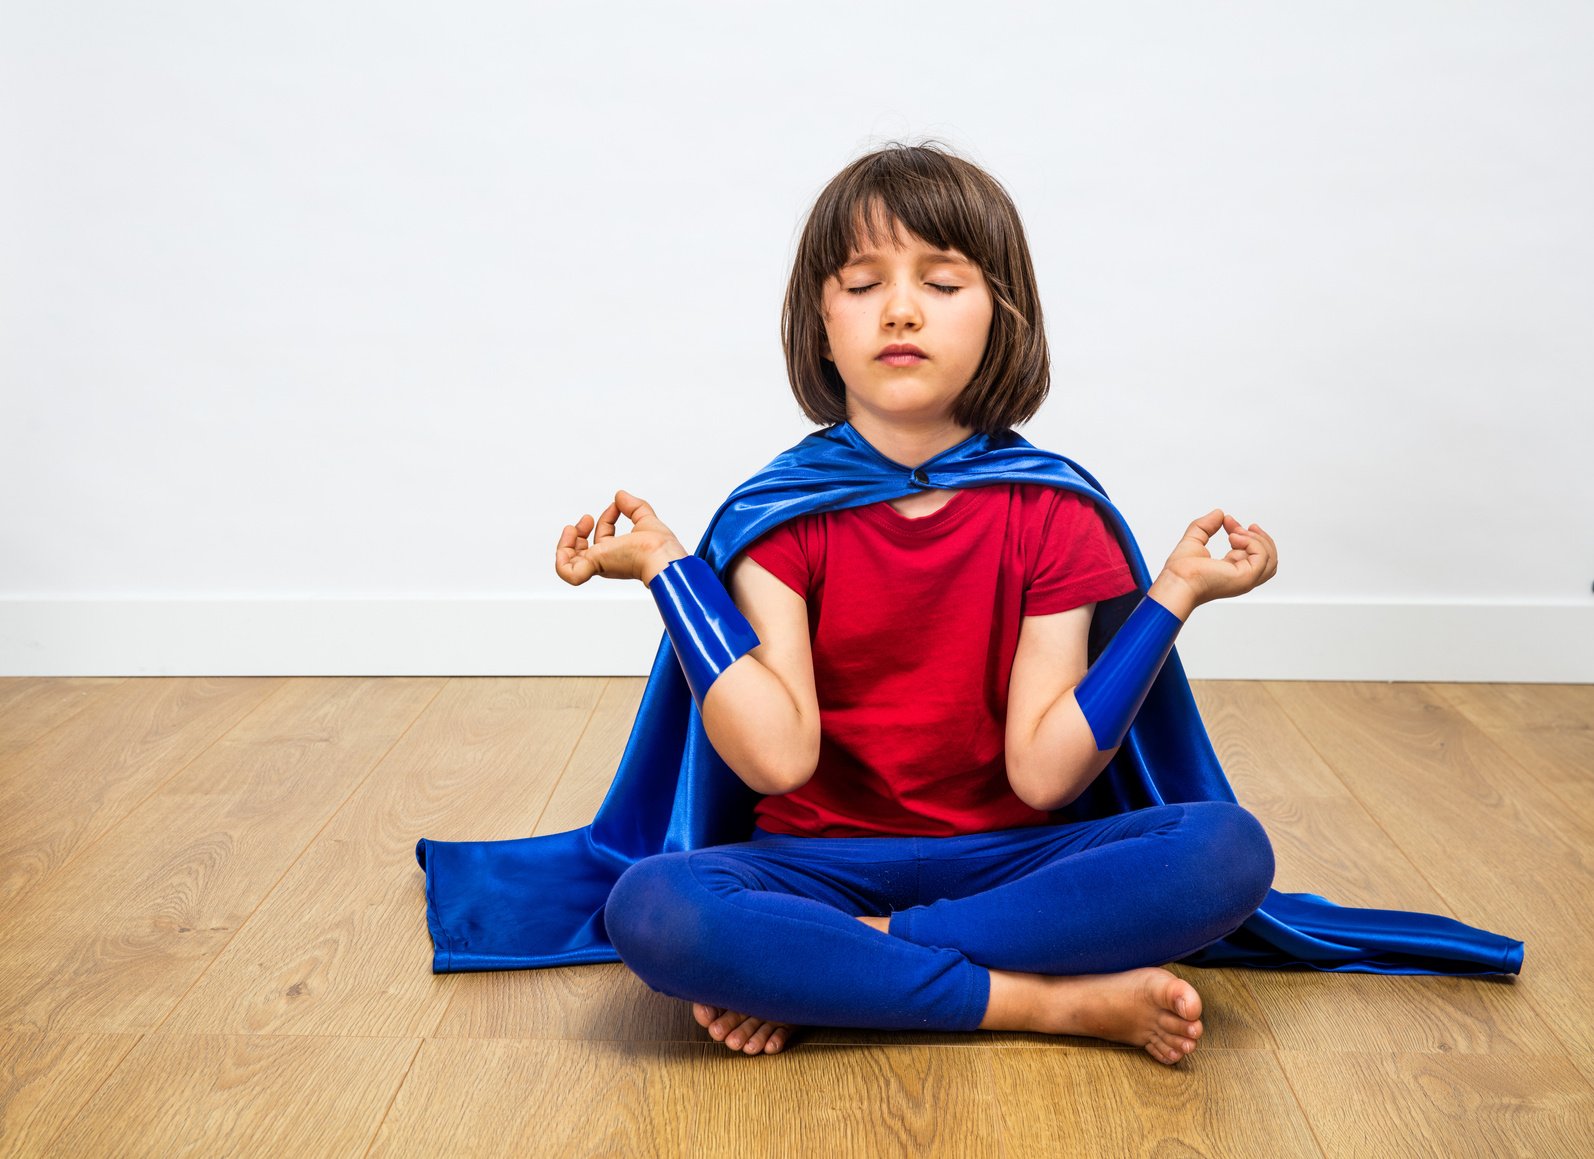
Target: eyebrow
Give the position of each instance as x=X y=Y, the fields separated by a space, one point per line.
x=933 y=256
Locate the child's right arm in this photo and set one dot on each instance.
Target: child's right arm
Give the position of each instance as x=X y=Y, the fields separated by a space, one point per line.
x=761 y=711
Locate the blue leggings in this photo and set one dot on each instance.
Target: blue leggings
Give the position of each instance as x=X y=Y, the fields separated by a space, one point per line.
x=768 y=927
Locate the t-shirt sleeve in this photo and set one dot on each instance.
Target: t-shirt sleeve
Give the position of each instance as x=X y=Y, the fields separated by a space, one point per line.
x=1080 y=560
x=782 y=552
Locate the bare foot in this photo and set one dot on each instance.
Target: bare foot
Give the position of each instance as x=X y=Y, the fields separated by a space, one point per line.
x=742 y=1032
x=753 y=1035
x=1149 y=1007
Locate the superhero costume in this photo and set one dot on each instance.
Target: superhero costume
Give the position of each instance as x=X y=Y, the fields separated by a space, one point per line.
x=538 y=901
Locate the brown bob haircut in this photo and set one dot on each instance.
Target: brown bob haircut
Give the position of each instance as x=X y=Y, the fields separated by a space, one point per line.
x=951 y=204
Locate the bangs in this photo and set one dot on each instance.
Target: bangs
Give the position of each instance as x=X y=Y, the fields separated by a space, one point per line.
x=881 y=206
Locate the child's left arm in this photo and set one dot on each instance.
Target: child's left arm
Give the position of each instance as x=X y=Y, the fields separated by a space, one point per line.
x=1057 y=711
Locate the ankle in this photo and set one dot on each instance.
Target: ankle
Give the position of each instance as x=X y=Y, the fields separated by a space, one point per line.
x=1014 y=1001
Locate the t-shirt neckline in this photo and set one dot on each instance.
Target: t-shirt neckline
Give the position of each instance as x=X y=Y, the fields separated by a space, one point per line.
x=888 y=517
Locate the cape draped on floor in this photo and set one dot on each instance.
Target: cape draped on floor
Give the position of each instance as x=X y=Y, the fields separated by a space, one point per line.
x=538 y=901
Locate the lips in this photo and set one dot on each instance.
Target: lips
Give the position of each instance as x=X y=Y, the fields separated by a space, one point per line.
x=901 y=354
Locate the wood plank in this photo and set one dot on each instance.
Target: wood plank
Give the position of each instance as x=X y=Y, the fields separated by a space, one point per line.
x=1536 y=707
x=1502 y=850
x=900 y=1100
x=112 y=940
x=341 y=946
x=1120 y=1101
x=597 y=1001
x=1452 y=1105
x=242 y=1095
x=31 y=706
x=548 y=1097
x=1311 y=1010
x=66 y=789
x=1549 y=729
x=581 y=789
x=46 y=1078
x=1326 y=842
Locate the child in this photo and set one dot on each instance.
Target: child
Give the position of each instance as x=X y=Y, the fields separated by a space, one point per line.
x=916 y=704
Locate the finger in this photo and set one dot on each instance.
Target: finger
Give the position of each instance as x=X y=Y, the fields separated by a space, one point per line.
x=568 y=564
x=1203 y=529
x=606 y=522
x=1270 y=551
x=1273 y=563
x=634 y=509
x=777 y=1038
x=721 y=1026
x=575 y=536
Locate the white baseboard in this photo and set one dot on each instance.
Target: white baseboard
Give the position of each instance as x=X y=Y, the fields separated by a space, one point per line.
x=614 y=635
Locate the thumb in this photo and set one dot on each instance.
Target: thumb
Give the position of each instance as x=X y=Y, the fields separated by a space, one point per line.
x=1207 y=525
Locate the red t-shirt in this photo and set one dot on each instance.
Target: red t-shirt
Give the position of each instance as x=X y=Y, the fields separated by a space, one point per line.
x=913 y=625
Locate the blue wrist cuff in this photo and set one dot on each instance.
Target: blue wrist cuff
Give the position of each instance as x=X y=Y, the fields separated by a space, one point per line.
x=1116 y=685
x=706 y=628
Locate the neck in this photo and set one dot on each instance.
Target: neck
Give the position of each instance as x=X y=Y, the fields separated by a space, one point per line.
x=909 y=443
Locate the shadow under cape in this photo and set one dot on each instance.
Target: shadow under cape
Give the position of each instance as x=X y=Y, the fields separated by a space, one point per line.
x=538 y=901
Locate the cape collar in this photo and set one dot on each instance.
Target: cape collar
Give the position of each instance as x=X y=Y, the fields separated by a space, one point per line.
x=837 y=467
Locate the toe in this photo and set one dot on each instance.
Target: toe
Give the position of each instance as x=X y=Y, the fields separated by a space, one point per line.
x=1175 y=1027
x=740 y=1035
x=1175 y=1046
x=760 y=1036
x=1183 y=999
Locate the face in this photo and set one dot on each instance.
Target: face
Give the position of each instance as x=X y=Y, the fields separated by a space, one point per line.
x=908 y=294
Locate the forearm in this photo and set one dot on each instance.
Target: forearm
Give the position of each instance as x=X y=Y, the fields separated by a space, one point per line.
x=748 y=713
x=1060 y=760
x=755 y=726
x=1063 y=756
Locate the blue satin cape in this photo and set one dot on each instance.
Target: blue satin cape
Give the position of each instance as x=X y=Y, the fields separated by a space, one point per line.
x=538 y=901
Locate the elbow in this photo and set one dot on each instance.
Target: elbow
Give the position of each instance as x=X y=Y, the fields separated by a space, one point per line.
x=803 y=760
x=788 y=779
x=1046 y=794
x=1045 y=804
x=1023 y=788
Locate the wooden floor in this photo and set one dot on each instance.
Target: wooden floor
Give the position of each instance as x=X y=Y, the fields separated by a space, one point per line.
x=212 y=941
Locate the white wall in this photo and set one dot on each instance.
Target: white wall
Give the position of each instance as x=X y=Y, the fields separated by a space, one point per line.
x=320 y=320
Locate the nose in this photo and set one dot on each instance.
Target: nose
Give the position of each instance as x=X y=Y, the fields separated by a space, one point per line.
x=901 y=308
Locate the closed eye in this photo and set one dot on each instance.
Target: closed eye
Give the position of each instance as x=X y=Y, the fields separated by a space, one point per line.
x=948 y=290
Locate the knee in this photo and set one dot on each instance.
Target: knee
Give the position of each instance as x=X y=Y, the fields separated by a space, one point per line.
x=1241 y=856
x=644 y=915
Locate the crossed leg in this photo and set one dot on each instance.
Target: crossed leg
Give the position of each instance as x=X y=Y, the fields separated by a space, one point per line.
x=1147 y=1007
x=1111 y=897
